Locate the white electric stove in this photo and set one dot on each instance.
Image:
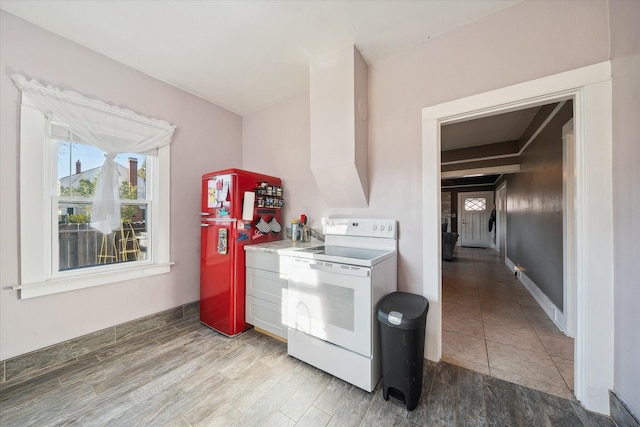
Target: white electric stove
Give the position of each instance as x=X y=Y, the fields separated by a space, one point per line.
x=333 y=293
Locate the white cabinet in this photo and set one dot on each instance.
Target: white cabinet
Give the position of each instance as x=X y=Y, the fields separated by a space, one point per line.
x=266 y=288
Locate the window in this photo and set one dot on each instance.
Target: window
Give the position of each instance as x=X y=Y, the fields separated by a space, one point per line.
x=63 y=247
x=475 y=204
x=77 y=169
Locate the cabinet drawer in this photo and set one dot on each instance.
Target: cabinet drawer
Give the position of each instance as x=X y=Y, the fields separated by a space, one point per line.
x=262 y=261
x=266 y=285
x=266 y=315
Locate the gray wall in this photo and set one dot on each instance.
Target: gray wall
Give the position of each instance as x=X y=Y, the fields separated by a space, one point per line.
x=625 y=55
x=534 y=209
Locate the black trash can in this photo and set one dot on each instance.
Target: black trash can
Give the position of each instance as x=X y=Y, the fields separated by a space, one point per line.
x=402 y=317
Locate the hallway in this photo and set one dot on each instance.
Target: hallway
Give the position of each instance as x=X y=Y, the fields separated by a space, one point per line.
x=491 y=324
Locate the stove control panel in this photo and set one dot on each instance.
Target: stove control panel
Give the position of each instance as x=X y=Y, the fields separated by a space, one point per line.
x=361 y=227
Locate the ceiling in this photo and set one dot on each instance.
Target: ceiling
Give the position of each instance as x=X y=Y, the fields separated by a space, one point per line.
x=478 y=152
x=487 y=130
x=245 y=55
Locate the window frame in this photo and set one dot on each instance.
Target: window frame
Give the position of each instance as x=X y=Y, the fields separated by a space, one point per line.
x=148 y=202
x=475 y=204
x=37 y=225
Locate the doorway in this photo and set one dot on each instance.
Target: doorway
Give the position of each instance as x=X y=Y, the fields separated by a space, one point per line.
x=590 y=89
x=492 y=322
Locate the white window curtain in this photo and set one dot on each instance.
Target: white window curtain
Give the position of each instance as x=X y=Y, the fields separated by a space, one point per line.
x=111 y=129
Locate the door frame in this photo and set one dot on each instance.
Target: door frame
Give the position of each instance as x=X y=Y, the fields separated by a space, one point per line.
x=461 y=211
x=590 y=89
x=568 y=225
x=501 y=218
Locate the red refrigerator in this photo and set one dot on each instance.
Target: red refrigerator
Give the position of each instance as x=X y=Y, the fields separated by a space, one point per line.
x=238 y=208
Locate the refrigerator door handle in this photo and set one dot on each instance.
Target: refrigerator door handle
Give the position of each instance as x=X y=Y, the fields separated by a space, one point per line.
x=221 y=220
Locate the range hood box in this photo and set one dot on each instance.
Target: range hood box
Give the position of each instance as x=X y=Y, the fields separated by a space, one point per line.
x=339 y=128
x=345 y=189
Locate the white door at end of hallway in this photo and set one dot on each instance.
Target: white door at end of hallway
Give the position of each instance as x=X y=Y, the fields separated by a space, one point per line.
x=474 y=211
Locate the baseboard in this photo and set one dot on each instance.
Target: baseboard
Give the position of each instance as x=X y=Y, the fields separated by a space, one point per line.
x=271 y=334
x=29 y=365
x=621 y=415
x=554 y=313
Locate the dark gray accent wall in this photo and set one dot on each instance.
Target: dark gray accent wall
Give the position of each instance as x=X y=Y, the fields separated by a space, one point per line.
x=534 y=209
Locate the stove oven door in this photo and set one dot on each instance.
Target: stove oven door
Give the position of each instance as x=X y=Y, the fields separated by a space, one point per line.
x=331 y=302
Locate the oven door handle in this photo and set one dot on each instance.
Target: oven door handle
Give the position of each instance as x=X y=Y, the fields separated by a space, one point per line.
x=341 y=269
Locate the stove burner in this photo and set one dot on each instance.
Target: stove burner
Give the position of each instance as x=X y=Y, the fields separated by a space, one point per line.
x=314 y=250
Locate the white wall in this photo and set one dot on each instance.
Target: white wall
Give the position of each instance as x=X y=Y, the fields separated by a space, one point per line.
x=625 y=55
x=526 y=41
x=277 y=142
x=207 y=138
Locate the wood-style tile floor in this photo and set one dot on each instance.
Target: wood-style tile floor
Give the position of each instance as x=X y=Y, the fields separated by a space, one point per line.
x=493 y=325
x=185 y=374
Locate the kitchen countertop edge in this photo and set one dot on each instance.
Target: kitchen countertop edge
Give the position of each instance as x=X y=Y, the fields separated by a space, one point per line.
x=281 y=245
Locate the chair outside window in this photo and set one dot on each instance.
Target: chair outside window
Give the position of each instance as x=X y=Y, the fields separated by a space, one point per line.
x=129 y=247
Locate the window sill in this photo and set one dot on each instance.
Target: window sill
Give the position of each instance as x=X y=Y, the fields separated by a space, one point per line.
x=54 y=286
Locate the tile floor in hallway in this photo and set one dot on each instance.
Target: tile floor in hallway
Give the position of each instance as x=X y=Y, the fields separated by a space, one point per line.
x=185 y=374
x=492 y=324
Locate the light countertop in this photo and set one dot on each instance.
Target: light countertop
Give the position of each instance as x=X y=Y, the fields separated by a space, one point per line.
x=276 y=247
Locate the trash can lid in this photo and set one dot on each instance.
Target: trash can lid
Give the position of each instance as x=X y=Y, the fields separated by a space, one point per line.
x=403 y=310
